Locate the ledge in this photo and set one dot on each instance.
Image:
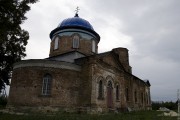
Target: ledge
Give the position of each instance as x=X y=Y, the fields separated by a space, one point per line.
x=47 y=63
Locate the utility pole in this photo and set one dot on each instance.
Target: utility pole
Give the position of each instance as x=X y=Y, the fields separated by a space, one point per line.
x=178 y=100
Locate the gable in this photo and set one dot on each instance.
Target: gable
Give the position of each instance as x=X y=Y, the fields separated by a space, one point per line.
x=111 y=59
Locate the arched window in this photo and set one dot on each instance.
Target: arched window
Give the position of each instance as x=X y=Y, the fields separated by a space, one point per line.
x=100 y=90
x=110 y=84
x=142 y=98
x=46 y=88
x=117 y=92
x=135 y=96
x=76 y=41
x=56 y=42
x=147 y=98
x=127 y=94
x=93 y=46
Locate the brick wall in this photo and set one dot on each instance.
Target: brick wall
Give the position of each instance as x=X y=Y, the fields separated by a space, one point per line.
x=26 y=87
x=66 y=45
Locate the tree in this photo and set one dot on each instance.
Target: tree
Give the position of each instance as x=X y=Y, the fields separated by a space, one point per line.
x=13 y=39
x=170 y=105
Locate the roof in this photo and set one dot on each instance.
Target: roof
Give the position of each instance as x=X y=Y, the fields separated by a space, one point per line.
x=80 y=61
x=65 y=53
x=77 y=23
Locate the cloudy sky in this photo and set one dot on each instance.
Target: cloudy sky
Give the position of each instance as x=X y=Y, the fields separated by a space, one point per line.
x=150 y=29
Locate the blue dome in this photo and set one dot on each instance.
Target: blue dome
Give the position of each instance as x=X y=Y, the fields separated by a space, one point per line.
x=76 y=22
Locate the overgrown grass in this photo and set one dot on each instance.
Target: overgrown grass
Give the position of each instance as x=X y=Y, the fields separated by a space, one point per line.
x=142 y=115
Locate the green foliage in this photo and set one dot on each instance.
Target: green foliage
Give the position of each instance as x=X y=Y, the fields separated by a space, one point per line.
x=170 y=105
x=13 y=38
x=141 y=115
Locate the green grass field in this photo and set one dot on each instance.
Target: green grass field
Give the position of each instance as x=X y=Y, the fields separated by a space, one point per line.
x=141 y=115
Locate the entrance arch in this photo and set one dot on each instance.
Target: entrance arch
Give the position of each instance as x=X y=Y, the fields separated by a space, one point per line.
x=109 y=95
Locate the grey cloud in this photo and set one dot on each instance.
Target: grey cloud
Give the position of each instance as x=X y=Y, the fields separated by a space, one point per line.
x=153 y=26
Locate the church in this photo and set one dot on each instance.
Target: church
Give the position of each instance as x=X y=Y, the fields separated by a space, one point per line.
x=76 y=78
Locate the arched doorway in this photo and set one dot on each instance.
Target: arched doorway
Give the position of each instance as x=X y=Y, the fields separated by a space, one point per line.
x=109 y=95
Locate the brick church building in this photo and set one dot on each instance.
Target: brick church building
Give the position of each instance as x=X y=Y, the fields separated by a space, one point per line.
x=75 y=77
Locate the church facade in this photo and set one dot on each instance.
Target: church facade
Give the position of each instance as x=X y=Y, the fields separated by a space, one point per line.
x=76 y=78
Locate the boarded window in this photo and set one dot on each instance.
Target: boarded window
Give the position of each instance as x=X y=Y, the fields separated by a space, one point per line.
x=46 y=88
x=76 y=41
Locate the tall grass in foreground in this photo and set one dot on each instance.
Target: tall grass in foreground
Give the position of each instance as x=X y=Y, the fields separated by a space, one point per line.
x=141 y=115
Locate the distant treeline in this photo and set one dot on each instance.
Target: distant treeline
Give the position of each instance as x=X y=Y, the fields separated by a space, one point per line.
x=170 y=105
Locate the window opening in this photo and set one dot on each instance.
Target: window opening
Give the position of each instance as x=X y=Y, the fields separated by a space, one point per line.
x=76 y=41
x=117 y=92
x=93 y=46
x=46 y=88
x=100 y=92
x=127 y=94
x=142 y=98
x=56 y=43
x=135 y=96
